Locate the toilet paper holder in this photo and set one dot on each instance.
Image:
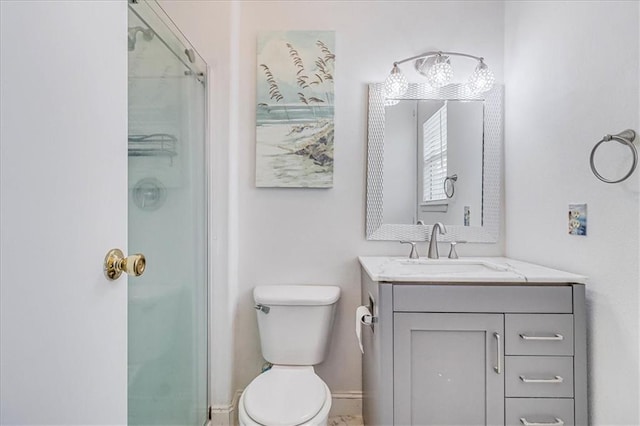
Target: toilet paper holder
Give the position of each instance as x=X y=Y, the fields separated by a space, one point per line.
x=370 y=319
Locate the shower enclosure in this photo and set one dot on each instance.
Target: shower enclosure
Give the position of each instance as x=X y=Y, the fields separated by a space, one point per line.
x=167 y=220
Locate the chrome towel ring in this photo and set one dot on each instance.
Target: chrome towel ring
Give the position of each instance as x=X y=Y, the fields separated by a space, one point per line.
x=626 y=138
x=451 y=180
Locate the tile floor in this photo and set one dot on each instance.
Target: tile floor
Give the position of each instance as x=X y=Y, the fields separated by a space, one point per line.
x=345 y=421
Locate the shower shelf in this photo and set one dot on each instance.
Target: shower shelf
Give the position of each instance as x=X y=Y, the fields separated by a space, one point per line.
x=154 y=145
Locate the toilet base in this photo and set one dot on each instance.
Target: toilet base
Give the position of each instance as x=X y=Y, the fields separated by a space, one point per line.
x=321 y=419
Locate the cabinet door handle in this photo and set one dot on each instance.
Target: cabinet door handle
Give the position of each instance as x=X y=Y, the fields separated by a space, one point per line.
x=555 y=337
x=498 y=367
x=556 y=379
x=558 y=422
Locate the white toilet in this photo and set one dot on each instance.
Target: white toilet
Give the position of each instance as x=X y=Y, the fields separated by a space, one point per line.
x=295 y=324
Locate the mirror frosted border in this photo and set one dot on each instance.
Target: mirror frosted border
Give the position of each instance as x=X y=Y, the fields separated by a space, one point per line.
x=492 y=160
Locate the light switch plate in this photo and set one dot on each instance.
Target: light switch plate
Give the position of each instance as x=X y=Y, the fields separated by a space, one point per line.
x=578 y=219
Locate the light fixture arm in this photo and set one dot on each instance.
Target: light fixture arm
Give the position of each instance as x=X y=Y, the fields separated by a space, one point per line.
x=436 y=53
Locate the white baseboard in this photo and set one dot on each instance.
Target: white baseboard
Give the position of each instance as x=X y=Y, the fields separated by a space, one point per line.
x=345 y=403
x=225 y=415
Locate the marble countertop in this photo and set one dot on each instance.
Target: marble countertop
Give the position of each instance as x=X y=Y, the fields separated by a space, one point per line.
x=503 y=271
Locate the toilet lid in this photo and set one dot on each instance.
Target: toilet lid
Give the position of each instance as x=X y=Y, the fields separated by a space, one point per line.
x=285 y=397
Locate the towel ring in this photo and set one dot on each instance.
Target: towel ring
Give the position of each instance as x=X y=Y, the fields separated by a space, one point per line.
x=452 y=179
x=626 y=138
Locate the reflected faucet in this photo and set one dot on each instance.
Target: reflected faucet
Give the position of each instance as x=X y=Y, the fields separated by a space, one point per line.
x=438 y=227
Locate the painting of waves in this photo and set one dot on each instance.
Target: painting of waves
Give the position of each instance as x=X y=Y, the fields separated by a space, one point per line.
x=295 y=109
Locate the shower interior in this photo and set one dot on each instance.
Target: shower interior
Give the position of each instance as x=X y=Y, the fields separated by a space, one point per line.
x=168 y=305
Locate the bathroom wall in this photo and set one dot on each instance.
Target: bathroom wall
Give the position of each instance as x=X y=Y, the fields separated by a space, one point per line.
x=314 y=236
x=400 y=165
x=572 y=76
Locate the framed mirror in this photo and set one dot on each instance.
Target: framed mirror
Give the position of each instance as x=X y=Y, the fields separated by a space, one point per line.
x=434 y=155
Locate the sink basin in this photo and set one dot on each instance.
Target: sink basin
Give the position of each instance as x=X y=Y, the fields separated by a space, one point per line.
x=454 y=270
x=442 y=266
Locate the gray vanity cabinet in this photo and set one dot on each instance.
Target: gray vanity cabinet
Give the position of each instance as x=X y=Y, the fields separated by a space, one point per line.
x=474 y=354
x=447 y=369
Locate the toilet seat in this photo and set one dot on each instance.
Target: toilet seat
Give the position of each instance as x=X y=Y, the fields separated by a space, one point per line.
x=285 y=396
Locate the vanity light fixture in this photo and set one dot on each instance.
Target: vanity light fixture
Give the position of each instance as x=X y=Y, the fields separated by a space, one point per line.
x=396 y=84
x=436 y=67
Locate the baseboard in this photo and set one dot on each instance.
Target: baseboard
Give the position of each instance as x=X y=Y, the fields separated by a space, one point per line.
x=225 y=415
x=345 y=403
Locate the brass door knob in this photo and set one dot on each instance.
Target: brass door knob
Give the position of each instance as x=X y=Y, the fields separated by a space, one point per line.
x=115 y=264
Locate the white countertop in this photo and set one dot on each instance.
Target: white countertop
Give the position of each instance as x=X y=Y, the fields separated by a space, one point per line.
x=384 y=268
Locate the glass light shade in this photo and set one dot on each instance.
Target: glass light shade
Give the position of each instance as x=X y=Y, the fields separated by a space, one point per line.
x=482 y=79
x=439 y=75
x=396 y=83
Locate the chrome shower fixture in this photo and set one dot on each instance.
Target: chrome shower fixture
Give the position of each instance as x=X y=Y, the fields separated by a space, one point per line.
x=147 y=35
x=436 y=67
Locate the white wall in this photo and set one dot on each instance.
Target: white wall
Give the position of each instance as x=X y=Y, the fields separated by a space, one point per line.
x=572 y=76
x=400 y=165
x=464 y=158
x=553 y=53
x=314 y=236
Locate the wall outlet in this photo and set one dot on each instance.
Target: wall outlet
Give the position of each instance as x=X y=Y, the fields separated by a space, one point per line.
x=578 y=219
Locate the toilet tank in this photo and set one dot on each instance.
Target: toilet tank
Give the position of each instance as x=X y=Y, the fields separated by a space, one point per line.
x=297 y=327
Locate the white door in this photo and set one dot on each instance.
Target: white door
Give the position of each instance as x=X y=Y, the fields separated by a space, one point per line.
x=63 y=195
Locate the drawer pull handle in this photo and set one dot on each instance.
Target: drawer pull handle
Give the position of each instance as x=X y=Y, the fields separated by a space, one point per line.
x=555 y=337
x=556 y=379
x=498 y=367
x=558 y=422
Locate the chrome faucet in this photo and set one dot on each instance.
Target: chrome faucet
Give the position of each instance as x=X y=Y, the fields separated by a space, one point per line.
x=433 y=243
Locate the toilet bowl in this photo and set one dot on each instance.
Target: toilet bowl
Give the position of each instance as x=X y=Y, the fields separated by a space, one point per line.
x=285 y=396
x=294 y=323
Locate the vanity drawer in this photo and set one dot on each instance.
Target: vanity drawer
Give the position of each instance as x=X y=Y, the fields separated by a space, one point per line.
x=539 y=376
x=539 y=411
x=547 y=334
x=482 y=298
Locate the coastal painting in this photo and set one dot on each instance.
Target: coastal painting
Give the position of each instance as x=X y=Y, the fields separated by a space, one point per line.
x=294 y=109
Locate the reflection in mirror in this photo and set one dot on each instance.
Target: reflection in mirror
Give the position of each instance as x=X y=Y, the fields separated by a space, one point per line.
x=433 y=162
x=434 y=155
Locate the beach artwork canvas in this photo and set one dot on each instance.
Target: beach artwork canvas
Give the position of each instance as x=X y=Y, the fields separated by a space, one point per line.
x=294 y=109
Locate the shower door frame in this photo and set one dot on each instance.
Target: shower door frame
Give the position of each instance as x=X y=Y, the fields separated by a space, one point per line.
x=155 y=16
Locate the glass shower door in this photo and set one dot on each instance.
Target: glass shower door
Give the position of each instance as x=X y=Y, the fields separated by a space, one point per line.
x=167 y=337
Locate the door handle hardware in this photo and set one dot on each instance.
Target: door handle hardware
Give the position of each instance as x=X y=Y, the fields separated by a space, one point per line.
x=556 y=379
x=498 y=367
x=555 y=337
x=115 y=263
x=558 y=422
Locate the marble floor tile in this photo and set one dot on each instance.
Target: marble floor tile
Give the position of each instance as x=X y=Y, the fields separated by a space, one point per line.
x=345 y=421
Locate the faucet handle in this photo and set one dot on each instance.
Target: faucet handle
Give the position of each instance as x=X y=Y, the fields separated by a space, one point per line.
x=414 y=251
x=453 y=254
